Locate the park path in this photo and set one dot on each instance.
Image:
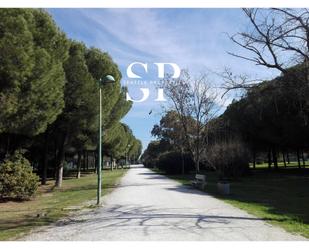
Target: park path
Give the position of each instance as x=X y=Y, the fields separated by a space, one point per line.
x=148 y=206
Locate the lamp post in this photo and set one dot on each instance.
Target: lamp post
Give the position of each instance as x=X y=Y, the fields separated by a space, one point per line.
x=105 y=80
x=127 y=152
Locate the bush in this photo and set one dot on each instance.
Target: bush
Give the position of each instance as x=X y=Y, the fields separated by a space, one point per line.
x=17 y=181
x=150 y=163
x=230 y=159
x=171 y=163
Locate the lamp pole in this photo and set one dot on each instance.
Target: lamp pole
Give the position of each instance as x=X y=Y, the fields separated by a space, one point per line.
x=128 y=161
x=106 y=79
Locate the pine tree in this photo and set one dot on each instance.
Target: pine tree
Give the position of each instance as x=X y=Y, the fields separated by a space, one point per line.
x=80 y=112
x=32 y=78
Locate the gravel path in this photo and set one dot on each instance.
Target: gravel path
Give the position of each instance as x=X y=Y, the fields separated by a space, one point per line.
x=148 y=206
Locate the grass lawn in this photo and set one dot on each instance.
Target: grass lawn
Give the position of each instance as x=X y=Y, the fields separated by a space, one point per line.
x=281 y=198
x=18 y=218
x=280 y=164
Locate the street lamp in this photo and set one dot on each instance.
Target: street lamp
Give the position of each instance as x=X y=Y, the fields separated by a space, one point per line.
x=102 y=81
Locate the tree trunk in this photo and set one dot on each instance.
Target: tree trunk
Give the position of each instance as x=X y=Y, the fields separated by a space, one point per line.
x=269 y=159
x=275 y=159
x=55 y=161
x=284 y=161
x=45 y=160
x=87 y=156
x=96 y=162
x=288 y=157
x=111 y=162
x=84 y=161
x=182 y=163
x=78 y=165
x=59 y=175
x=298 y=158
x=303 y=158
x=254 y=159
x=197 y=165
x=61 y=153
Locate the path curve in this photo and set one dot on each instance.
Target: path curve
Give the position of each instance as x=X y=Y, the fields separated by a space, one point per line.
x=148 y=206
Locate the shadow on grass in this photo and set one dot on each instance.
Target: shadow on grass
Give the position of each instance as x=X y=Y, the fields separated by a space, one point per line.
x=280 y=196
x=47 y=208
x=16 y=228
x=280 y=193
x=11 y=199
x=87 y=187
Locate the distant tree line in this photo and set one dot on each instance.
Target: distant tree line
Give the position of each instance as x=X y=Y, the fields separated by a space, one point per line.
x=270 y=120
x=49 y=97
x=272 y=117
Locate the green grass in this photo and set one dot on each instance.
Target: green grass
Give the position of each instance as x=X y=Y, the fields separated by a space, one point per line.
x=281 y=198
x=293 y=164
x=18 y=218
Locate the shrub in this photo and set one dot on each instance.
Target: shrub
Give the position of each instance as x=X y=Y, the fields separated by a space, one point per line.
x=230 y=159
x=17 y=181
x=171 y=163
x=150 y=163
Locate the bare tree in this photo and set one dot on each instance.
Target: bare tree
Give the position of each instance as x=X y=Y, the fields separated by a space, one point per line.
x=195 y=102
x=236 y=81
x=275 y=38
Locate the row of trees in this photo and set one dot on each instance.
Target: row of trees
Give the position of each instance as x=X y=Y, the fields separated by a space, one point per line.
x=271 y=116
x=49 y=88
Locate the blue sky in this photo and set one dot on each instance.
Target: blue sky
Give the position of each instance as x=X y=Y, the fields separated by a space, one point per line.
x=194 y=39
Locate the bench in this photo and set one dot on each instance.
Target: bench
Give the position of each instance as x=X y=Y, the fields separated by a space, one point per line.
x=199 y=181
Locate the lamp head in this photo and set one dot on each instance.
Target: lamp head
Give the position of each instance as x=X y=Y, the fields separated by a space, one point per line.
x=107 y=79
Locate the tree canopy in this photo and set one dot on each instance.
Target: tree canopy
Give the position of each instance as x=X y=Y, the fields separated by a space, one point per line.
x=32 y=77
x=49 y=94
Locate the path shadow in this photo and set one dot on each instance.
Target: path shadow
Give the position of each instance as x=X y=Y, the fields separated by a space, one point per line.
x=187 y=190
x=145 y=217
